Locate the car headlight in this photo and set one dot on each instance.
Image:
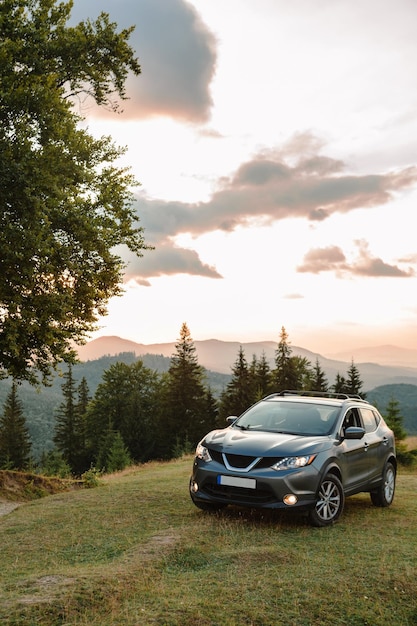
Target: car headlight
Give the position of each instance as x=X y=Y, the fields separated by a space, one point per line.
x=202 y=453
x=294 y=462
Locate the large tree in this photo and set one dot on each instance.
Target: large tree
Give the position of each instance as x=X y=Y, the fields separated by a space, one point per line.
x=186 y=416
x=66 y=207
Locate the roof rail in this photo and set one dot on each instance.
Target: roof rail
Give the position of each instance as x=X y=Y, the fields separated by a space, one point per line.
x=316 y=394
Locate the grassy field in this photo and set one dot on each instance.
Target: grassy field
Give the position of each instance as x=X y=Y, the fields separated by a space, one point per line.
x=135 y=551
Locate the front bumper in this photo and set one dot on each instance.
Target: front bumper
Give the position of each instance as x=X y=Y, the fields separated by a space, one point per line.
x=265 y=488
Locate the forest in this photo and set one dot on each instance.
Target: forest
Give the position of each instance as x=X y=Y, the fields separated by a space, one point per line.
x=135 y=412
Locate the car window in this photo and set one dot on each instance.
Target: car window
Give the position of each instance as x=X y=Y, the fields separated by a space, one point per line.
x=369 y=419
x=351 y=419
x=289 y=417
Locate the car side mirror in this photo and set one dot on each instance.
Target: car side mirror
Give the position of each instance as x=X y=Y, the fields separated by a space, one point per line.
x=354 y=432
x=231 y=419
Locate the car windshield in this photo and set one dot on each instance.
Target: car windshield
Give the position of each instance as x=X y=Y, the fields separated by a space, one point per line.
x=298 y=418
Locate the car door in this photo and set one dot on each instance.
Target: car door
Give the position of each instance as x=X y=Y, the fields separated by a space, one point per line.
x=354 y=459
x=374 y=443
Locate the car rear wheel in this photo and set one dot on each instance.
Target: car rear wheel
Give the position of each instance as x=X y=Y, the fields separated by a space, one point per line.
x=384 y=495
x=330 y=502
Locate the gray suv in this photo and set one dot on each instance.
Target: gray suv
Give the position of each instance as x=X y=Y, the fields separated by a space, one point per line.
x=297 y=450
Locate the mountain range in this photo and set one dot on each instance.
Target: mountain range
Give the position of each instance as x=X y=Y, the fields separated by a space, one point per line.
x=381 y=365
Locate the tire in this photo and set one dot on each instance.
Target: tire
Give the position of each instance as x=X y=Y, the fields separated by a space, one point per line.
x=330 y=502
x=384 y=495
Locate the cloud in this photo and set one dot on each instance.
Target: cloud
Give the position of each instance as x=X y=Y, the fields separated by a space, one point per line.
x=267 y=189
x=332 y=259
x=166 y=259
x=176 y=51
x=273 y=185
x=320 y=260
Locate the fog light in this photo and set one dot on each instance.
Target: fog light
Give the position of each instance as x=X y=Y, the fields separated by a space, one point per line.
x=194 y=487
x=290 y=499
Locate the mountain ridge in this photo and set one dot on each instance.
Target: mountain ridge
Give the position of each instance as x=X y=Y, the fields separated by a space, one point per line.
x=219 y=356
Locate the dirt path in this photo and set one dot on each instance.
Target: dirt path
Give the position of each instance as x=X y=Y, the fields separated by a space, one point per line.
x=7 y=507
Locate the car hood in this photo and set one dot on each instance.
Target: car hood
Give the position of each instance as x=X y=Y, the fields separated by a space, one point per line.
x=262 y=443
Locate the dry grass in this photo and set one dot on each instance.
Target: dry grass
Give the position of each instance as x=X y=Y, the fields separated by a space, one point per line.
x=411 y=443
x=136 y=552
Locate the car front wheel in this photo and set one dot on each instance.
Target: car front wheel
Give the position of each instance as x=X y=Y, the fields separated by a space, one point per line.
x=384 y=495
x=330 y=502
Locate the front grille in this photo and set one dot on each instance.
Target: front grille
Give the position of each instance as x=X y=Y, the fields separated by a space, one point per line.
x=240 y=461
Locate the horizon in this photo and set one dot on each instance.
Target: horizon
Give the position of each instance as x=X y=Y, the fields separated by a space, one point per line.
x=260 y=341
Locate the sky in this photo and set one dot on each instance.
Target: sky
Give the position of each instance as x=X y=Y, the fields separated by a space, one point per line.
x=276 y=147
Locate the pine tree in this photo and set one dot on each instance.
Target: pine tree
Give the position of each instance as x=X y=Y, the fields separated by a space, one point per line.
x=354 y=383
x=184 y=415
x=319 y=381
x=69 y=436
x=15 y=445
x=394 y=420
x=340 y=385
x=83 y=398
x=261 y=373
x=240 y=390
x=118 y=456
x=284 y=375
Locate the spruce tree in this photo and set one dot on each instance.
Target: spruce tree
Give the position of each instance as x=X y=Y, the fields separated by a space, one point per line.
x=394 y=420
x=285 y=375
x=354 y=383
x=83 y=398
x=240 y=390
x=184 y=418
x=319 y=381
x=15 y=444
x=69 y=436
x=340 y=385
x=118 y=456
x=262 y=380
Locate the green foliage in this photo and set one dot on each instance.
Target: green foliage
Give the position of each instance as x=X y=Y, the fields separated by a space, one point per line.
x=131 y=398
x=394 y=419
x=52 y=463
x=285 y=375
x=15 y=444
x=318 y=381
x=66 y=206
x=113 y=455
x=70 y=428
x=91 y=478
x=240 y=391
x=127 y=401
x=405 y=394
x=185 y=414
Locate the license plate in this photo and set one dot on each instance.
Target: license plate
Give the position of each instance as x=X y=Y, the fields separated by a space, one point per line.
x=237 y=481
